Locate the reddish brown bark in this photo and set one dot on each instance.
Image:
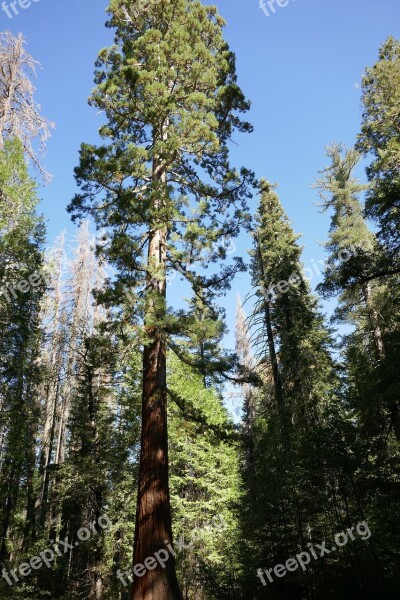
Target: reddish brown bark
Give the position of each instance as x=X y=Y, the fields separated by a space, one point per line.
x=153 y=531
x=153 y=520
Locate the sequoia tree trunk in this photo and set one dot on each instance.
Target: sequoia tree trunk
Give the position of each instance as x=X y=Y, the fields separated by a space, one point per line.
x=156 y=580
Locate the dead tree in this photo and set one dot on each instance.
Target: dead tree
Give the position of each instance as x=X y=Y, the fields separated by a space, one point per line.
x=19 y=114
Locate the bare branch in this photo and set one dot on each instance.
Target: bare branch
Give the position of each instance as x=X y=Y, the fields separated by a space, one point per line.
x=19 y=114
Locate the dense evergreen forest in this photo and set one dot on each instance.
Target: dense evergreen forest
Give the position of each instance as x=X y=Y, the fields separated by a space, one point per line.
x=123 y=476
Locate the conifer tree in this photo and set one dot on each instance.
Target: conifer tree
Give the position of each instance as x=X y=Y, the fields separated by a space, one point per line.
x=368 y=304
x=380 y=138
x=300 y=419
x=162 y=185
x=293 y=333
x=354 y=253
x=21 y=287
x=205 y=488
x=51 y=361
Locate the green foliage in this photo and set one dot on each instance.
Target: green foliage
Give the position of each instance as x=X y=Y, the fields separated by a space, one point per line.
x=21 y=239
x=300 y=336
x=205 y=488
x=299 y=488
x=369 y=348
x=170 y=79
x=380 y=138
x=317 y=450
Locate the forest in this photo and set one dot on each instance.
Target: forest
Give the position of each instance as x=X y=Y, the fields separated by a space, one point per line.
x=124 y=474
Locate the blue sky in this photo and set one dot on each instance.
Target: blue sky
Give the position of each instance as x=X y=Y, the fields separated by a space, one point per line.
x=301 y=67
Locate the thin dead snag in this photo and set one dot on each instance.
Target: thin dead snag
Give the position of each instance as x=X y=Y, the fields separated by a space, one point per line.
x=247 y=363
x=19 y=114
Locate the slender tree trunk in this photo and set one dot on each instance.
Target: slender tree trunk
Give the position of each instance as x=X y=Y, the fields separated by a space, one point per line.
x=5 y=104
x=271 y=343
x=374 y=320
x=393 y=400
x=94 y=381
x=34 y=415
x=6 y=516
x=52 y=390
x=243 y=350
x=13 y=466
x=48 y=442
x=274 y=359
x=153 y=531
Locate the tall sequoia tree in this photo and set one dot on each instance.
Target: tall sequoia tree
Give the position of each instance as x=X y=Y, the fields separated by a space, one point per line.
x=162 y=186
